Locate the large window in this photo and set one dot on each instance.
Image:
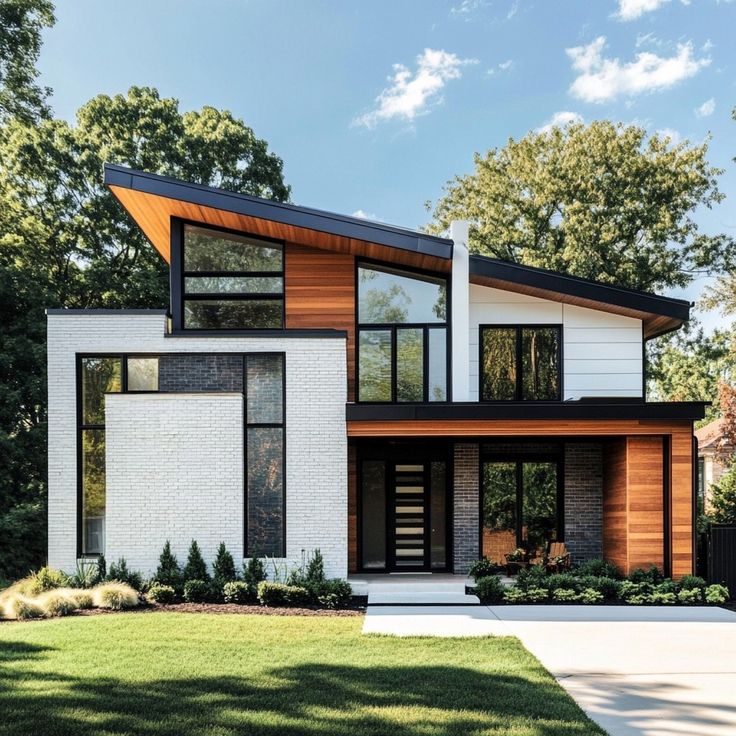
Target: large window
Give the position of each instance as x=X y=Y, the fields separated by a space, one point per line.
x=402 y=336
x=231 y=281
x=520 y=363
x=96 y=377
x=521 y=504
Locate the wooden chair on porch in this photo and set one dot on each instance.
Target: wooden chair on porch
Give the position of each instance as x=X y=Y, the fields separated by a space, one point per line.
x=558 y=558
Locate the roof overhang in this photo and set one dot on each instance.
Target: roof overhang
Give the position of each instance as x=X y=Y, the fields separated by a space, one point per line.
x=153 y=200
x=659 y=314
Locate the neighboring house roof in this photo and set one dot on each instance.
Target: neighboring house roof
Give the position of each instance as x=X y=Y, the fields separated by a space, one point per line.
x=709 y=435
x=659 y=314
x=152 y=200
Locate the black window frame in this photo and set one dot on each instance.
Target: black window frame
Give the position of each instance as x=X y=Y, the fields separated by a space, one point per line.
x=393 y=327
x=519 y=387
x=178 y=276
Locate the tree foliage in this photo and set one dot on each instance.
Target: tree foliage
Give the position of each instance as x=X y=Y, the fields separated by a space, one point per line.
x=65 y=241
x=603 y=201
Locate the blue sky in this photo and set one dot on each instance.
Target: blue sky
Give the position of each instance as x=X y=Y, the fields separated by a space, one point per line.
x=375 y=105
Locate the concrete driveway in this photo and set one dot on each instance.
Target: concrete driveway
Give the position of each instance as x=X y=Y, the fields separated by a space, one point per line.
x=652 y=671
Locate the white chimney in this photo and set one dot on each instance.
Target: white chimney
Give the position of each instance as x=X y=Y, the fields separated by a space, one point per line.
x=460 y=311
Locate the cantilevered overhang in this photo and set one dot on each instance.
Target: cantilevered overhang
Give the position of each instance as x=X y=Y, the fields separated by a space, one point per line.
x=659 y=314
x=573 y=418
x=153 y=200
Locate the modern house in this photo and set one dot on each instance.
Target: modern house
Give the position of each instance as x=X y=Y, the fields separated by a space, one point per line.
x=381 y=394
x=713 y=453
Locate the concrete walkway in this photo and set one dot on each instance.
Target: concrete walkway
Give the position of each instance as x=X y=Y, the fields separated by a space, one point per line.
x=645 y=671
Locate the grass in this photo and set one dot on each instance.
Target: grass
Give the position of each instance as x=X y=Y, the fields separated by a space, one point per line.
x=168 y=674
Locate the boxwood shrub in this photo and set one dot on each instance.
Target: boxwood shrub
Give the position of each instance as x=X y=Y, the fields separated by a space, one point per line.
x=490 y=589
x=196 y=591
x=278 y=594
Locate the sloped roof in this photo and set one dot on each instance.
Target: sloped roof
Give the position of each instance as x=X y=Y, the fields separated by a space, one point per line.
x=709 y=434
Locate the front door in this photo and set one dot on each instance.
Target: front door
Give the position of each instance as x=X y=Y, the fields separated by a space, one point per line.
x=404 y=513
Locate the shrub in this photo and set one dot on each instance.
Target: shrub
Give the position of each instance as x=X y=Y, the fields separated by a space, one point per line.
x=101 y=567
x=514 y=595
x=114 y=595
x=335 y=593
x=690 y=596
x=716 y=594
x=254 y=571
x=159 y=593
x=638 y=599
x=530 y=595
x=196 y=591
x=590 y=596
x=666 y=586
x=196 y=567
x=86 y=575
x=663 y=598
x=599 y=568
x=629 y=589
x=223 y=568
x=119 y=571
x=278 y=594
x=57 y=602
x=489 y=589
x=692 y=582
x=83 y=599
x=564 y=595
x=22 y=608
x=651 y=575
x=532 y=577
x=168 y=571
x=607 y=587
x=562 y=581
x=482 y=568
x=315 y=572
x=238 y=591
x=46 y=579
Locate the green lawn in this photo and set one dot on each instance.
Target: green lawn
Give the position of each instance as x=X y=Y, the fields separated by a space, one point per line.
x=180 y=674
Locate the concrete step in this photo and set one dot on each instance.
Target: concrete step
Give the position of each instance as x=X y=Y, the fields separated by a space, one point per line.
x=412 y=597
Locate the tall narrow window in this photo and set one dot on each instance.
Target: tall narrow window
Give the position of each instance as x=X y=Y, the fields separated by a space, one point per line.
x=402 y=336
x=97 y=376
x=520 y=363
x=264 y=391
x=231 y=281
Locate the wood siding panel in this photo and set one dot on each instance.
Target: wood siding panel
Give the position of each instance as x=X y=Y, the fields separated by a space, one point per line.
x=681 y=507
x=320 y=293
x=615 y=522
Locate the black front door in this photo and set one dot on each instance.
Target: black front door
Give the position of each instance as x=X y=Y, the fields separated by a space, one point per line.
x=405 y=512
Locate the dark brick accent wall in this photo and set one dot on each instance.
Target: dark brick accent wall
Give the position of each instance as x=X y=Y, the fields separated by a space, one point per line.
x=584 y=500
x=200 y=373
x=466 y=507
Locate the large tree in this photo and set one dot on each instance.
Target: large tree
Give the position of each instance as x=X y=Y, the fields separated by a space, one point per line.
x=65 y=241
x=601 y=201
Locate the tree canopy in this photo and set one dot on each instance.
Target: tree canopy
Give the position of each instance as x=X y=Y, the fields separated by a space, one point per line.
x=603 y=201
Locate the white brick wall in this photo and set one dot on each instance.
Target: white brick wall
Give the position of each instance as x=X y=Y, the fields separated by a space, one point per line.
x=316 y=444
x=174 y=471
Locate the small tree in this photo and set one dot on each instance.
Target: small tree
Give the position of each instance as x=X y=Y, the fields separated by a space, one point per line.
x=196 y=567
x=168 y=571
x=223 y=569
x=723 y=498
x=315 y=568
x=253 y=571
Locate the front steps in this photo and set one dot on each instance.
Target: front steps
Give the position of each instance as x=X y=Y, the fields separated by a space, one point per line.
x=414 y=590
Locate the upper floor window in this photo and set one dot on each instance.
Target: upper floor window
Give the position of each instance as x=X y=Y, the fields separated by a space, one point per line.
x=402 y=336
x=231 y=281
x=520 y=363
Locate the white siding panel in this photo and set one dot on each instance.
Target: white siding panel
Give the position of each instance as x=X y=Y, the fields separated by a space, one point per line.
x=603 y=350
x=583 y=317
x=604 y=383
x=512 y=314
x=592 y=365
x=486 y=295
x=602 y=334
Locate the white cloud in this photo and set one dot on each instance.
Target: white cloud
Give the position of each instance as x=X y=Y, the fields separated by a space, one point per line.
x=632 y=9
x=411 y=94
x=706 y=109
x=467 y=7
x=601 y=79
x=560 y=120
x=364 y=215
x=673 y=135
x=513 y=10
x=504 y=66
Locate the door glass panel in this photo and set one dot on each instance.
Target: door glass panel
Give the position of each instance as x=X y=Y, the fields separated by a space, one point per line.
x=373 y=495
x=439 y=515
x=499 y=509
x=437 y=372
x=374 y=365
x=410 y=364
x=540 y=504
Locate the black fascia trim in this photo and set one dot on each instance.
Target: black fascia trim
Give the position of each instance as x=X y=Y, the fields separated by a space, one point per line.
x=56 y=311
x=286 y=214
x=526 y=410
x=539 y=278
x=284 y=334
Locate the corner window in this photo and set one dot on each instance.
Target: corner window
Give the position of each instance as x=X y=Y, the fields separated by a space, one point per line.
x=402 y=336
x=520 y=363
x=231 y=281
